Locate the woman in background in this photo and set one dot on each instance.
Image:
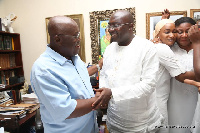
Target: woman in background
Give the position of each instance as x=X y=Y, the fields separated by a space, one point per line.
x=165 y=33
x=194 y=34
x=183 y=98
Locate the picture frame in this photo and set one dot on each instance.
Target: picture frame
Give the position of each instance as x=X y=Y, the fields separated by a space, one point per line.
x=195 y=14
x=78 y=18
x=153 y=18
x=96 y=19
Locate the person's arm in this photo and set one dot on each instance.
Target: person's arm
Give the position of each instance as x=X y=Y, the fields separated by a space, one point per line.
x=165 y=14
x=192 y=82
x=194 y=35
x=83 y=107
x=56 y=98
x=170 y=62
x=187 y=75
x=95 y=68
x=92 y=70
x=105 y=93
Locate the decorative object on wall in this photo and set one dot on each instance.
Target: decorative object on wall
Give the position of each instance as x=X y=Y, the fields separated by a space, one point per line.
x=78 y=18
x=153 y=18
x=195 y=14
x=98 y=23
x=7 y=21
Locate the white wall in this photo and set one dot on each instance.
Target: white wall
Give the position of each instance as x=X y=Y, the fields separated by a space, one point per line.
x=32 y=13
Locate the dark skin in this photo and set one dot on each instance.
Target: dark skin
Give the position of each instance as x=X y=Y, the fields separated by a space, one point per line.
x=62 y=31
x=166 y=14
x=194 y=35
x=183 y=42
x=182 y=36
x=93 y=69
x=123 y=35
x=171 y=35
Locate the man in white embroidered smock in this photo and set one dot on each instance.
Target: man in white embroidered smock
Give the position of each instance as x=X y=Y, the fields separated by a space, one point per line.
x=129 y=71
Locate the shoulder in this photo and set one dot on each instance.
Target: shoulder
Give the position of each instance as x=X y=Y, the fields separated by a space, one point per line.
x=142 y=42
x=175 y=47
x=162 y=47
x=163 y=50
x=110 y=47
x=43 y=64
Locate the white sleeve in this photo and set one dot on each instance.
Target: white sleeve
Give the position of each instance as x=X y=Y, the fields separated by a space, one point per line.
x=168 y=60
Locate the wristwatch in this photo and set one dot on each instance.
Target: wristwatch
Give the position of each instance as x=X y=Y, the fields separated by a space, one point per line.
x=98 y=67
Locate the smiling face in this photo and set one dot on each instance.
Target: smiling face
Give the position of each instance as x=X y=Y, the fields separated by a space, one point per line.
x=64 y=36
x=120 y=27
x=118 y=34
x=70 y=45
x=167 y=34
x=182 y=34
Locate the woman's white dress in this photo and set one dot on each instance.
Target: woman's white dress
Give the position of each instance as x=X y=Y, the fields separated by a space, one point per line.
x=183 y=97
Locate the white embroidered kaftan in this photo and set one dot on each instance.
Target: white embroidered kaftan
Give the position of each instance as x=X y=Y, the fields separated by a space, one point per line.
x=130 y=72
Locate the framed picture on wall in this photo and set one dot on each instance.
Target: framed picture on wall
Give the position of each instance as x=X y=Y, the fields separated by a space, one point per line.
x=104 y=36
x=78 y=18
x=98 y=32
x=195 y=14
x=153 y=18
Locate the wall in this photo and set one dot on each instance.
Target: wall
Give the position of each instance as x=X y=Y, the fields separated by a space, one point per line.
x=32 y=13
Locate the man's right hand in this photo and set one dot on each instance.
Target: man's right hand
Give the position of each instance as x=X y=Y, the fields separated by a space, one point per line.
x=103 y=99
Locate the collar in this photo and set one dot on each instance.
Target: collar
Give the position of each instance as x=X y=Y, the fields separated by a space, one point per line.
x=57 y=57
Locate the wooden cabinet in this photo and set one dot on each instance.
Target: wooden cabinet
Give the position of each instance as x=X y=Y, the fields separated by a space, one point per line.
x=11 y=65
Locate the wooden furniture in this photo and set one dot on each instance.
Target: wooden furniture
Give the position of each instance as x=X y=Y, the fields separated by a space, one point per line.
x=13 y=124
x=11 y=66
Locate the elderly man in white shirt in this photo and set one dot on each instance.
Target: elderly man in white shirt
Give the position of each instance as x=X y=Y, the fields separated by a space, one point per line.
x=129 y=71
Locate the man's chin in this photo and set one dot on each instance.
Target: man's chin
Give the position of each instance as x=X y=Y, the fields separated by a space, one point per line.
x=114 y=39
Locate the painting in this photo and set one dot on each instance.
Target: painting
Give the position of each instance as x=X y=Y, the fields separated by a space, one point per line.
x=78 y=18
x=195 y=14
x=153 y=18
x=104 y=35
x=99 y=35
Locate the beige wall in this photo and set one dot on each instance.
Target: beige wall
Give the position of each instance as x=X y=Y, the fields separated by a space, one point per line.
x=32 y=13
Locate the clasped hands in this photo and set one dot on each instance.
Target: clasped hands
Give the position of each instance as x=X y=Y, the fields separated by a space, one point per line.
x=103 y=95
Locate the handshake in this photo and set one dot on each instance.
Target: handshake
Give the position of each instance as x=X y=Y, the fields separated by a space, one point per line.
x=102 y=97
